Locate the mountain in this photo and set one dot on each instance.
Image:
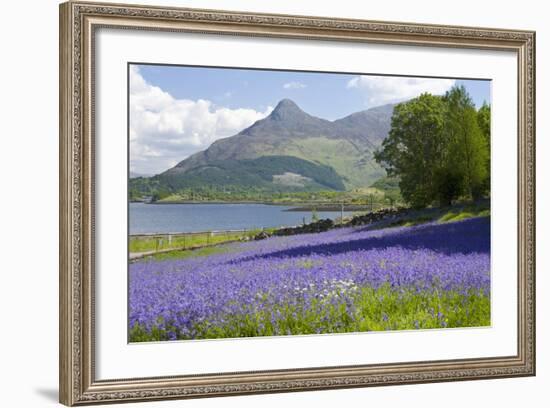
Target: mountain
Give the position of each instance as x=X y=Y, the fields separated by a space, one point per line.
x=272 y=173
x=134 y=175
x=372 y=124
x=346 y=145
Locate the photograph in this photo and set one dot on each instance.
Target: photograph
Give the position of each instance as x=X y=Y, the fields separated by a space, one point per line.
x=268 y=202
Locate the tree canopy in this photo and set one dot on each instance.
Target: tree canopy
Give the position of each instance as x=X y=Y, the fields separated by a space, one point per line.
x=438 y=146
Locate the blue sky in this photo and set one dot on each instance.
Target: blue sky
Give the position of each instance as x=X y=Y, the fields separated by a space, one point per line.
x=176 y=111
x=257 y=89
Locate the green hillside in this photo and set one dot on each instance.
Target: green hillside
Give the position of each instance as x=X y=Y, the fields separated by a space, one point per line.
x=289 y=150
x=267 y=173
x=355 y=165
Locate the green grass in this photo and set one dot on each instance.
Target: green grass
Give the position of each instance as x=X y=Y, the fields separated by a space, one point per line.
x=188 y=253
x=373 y=310
x=411 y=222
x=464 y=213
x=161 y=242
x=441 y=215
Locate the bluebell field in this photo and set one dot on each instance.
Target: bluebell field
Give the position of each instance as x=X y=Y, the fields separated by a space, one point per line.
x=344 y=280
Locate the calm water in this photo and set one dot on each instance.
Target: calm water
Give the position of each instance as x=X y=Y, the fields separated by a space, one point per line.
x=162 y=218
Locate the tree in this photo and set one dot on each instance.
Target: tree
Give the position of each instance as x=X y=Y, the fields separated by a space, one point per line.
x=438 y=148
x=467 y=150
x=484 y=122
x=392 y=197
x=414 y=148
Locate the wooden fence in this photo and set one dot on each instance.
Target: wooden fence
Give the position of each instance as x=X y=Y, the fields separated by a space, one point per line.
x=187 y=240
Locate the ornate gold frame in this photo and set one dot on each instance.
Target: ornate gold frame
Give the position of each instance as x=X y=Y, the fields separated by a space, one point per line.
x=78 y=22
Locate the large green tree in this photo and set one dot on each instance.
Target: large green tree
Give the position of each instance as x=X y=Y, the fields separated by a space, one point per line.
x=468 y=152
x=484 y=122
x=414 y=148
x=438 y=149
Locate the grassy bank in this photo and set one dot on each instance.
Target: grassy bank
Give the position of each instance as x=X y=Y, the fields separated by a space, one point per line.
x=441 y=215
x=186 y=241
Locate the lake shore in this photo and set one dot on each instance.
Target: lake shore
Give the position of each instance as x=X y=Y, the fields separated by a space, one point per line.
x=330 y=207
x=192 y=217
x=211 y=202
x=296 y=206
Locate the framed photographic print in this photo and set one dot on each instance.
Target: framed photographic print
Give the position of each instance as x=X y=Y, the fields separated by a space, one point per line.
x=256 y=203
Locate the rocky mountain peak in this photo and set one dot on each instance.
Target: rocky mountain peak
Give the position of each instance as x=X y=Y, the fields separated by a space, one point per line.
x=285 y=110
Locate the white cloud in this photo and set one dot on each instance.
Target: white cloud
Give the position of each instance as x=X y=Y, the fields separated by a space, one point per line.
x=165 y=130
x=294 y=85
x=381 y=90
